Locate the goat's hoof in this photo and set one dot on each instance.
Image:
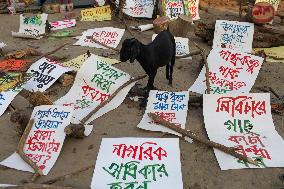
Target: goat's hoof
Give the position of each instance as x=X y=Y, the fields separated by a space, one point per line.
x=143 y=103
x=170 y=83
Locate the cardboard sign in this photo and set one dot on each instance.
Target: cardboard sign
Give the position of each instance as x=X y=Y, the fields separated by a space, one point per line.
x=45 y=139
x=229 y=72
x=12 y=80
x=33 y=26
x=138 y=8
x=94 y=83
x=57 y=25
x=96 y=14
x=45 y=73
x=182 y=47
x=273 y=54
x=243 y=121
x=109 y=36
x=138 y=163
x=13 y=65
x=234 y=35
x=171 y=106
x=262 y=13
x=173 y=8
x=8 y=95
x=192 y=8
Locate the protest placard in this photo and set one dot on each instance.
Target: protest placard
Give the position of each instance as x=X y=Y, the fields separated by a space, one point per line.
x=230 y=71
x=170 y=106
x=33 y=26
x=173 y=8
x=243 y=121
x=138 y=163
x=192 y=8
x=108 y=36
x=45 y=140
x=13 y=65
x=94 y=83
x=57 y=25
x=96 y=14
x=12 y=80
x=234 y=35
x=45 y=72
x=139 y=9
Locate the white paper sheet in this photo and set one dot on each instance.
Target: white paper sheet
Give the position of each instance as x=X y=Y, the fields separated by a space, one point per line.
x=138 y=163
x=171 y=106
x=45 y=140
x=229 y=72
x=45 y=73
x=57 y=25
x=182 y=47
x=108 y=35
x=94 y=83
x=192 y=8
x=243 y=121
x=234 y=35
x=139 y=9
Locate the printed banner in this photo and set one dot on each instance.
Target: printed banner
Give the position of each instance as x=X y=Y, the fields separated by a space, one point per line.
x=138 y=8
x=33 y=26
x=96 y=14
x=14 y=65
x=150 y=163
x=108 y=35
x=171 y=106
x=233 y=35
x=8 y=95
x=45 y=73
x=45 y=139
x=229 y=72
x=94 y=83
x=273 y=54
x=182 y=47
x=244 y=122
x=57 y=25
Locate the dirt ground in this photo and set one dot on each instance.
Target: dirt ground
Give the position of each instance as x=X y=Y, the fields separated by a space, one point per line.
x=200 y=169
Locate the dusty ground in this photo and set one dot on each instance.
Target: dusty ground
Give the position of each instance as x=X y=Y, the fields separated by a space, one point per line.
x=200 y=169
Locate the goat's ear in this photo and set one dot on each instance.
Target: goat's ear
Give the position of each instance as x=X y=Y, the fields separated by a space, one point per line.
x=134 y=51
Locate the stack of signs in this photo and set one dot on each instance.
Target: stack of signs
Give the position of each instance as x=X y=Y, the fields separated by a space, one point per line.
x=45 y=140
x=233 y=35
x=182 y=47
x=57 y=25
x=139 y=9
x=170 y=106
x=14 y=65
x=96 y=14
x=108 y=36
x=174 y=8
x=45 y=72
x=32 y=27
x=244 y=122
x=10 y=85
x=76 y=63
x=138 y=163
x=230 y=71
x=94 y=83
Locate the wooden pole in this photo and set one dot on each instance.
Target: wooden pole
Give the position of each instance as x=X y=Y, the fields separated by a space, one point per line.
x=228 y=150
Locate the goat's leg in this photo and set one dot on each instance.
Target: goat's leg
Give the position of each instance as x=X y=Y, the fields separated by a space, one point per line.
x=150 y=86
x=171 y=70
x=167 y=71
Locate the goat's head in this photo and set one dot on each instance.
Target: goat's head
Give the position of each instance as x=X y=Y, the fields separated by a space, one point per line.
x=130 y=50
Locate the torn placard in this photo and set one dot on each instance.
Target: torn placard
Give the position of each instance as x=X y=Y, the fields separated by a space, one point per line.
x=138 y=9
x=45 y=140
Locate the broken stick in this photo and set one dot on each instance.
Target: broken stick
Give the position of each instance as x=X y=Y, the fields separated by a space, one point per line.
x=20 y=151
x=197 y=52
x=228 y=150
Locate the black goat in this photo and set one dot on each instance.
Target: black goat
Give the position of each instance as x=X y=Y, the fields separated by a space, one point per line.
x=157 y=54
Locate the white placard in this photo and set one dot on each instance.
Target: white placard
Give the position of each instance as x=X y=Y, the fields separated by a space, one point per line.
x=108 y=35
x=171 y=106
x=94 y=83
x=45 y=73
x=57 y=25
x=230 y=71
x=45 y=140
x=182 y=47
x=245 y=122
x=234 y=35
x=138 y=8
x=138 y=163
